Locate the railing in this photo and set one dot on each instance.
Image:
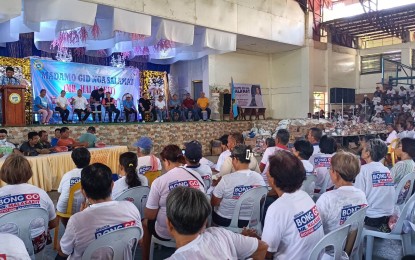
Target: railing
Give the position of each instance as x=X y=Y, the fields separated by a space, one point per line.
x=395 y=73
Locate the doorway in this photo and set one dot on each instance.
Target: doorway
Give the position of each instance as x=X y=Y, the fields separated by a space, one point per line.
x=197 y=88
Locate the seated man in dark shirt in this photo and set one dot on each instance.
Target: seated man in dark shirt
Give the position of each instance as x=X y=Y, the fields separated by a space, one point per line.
x=30 y=147
x=43 y=140
x=95 y=101
x=145 y=105
x=109 y=104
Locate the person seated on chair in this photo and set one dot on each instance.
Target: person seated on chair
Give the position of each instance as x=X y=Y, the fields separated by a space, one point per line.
x=80 y=105
x=98 y=216
x=189 y=108
x=65 y=140
x=303 y=150
x=130 y=178
x=234 y=185
x=192 y=155
x=287 y=231
x=30 y=147
x=405 y=151
x=187 y=213
x=6 y=148
x=55 y=139
x=146 y=161
x=62 y=107
x=12 y=247
x=129 y=108
x=42 y=106
x=81 y=158
x=109 y=104
x=313 y=136
x=155 y=210
x=160 y=106
x=44 y=140
x=96 y=98
x=16 y=172
x=282 y=139
x=89 y=137
x=225 y=154
x=377 y=183
x=145 y=106
x=337 y=205
x=174 y=106
x=227 y=166
x=203 y=105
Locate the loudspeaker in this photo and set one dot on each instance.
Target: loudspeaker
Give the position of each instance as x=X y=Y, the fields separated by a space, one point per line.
x=337 y=94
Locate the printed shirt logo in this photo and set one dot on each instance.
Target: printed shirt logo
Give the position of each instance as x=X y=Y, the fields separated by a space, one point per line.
x=21 y=201
x=144 y=169
x=189 y=183
x=349 y=210
x=74 y=181
x=108 y=229
x=3 y=257
x=382 y=179
x=322 y=162
x=239 y=190
x=307 y=222
x=206 y=177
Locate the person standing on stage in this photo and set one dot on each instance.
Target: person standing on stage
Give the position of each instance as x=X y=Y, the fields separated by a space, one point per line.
x=42 y=106
x=145 y=106
x=62 y=107
x=9 y=79
x=109 y=104
x=129 y=108
x=80 y=106
x=95 y=100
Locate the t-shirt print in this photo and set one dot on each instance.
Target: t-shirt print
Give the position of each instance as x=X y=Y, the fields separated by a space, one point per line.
x=108 y=229
x=307 y=222
x=322 y=162
x=11 y=203
x=349 y=210
x=144 y=169
x=241 y=189
x=74 y=180
x=382 y=179
x=186 y=183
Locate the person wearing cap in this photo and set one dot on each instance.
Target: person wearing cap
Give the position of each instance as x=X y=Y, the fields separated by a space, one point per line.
x=231 y=187
x=129 y=108
x=89 y=137
x=146 y=160
x=192 y=155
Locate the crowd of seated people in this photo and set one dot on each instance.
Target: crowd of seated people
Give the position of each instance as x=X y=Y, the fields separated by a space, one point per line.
x=180 y=200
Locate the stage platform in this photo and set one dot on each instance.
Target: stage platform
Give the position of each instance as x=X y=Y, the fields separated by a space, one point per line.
x=162 y=133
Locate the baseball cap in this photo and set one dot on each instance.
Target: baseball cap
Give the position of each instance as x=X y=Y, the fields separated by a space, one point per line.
x=144 y=143
x=193 y=151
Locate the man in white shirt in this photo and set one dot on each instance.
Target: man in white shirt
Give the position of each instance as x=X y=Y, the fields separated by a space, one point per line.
x=62 y=107
x=100 y=215
x=80 y=105
x=406 y=107
x=379 y=107
x=392 y=135
x=6 y=148
x=303 y=151
x=81 y=158
x=410 y=129
x=282 y=139
x=193 y=154
x=402 y=93
x=160 y=105
x=146 y=161
x=226 y=152
x=411 y=91
x=377 y=183
x=187 y=213
x=12 y=247
x=313 y=136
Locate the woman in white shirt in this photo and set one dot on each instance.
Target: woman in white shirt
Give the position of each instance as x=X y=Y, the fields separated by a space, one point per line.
x=130 y=178
x=392 y=135
x=62 y=107
x=405 y=150
x=337 y=205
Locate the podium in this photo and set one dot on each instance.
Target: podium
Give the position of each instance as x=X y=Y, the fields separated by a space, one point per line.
x=13 y=105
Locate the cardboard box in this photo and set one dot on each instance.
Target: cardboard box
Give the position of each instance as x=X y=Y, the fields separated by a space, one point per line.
x=250 y=141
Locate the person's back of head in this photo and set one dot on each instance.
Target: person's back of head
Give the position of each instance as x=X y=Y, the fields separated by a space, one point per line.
x=304 y=148
x=346 y=164
x=270 y=142
x=96 y=181
x=81 y=157
x=16 y=169
x=224 y=140
x=187 y=210
x=129 y=163
x=193 y=152
x=283 y=136
x=328 y=145
x=242 y=153
x=239 y=138
x=377 y=149
x=287 y=172
x=408 y=146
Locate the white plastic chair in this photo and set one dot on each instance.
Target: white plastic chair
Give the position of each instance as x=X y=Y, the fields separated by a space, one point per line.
x=397 y=232
x=399 y=188
x=255 y=194
x=117 y=240
x=138 y=196
x=309 y=184
x=154 y=240
x=208 y=183
x=336 y=238
x=356 y=220
x=22 y=219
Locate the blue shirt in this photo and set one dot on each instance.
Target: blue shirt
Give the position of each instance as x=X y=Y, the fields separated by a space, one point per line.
x=4 y=80
x=41 y=101
x=54 y=141
x=128 y=104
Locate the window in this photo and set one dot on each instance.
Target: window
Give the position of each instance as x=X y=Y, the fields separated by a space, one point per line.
x=319 y=101
x=413 y=58
x=373 y=63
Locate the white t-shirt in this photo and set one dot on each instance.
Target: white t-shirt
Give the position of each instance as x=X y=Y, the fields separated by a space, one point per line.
x=377 y=183
x=207 y=162
x=406 y=107
x=376 y=100
x=309 y=170
x=162 y=186
x=391 y=92
x=6 y=148
x=377 y=120
x=406 y=133
x=392 y=136
x=411 y=92
x=316 y=149
x=204 y=171
x=270 y=151
x=378 y=108
x=144 y=164
x=80 y=103
x=85 y=226
x=121 y=185
x=231 y=187
x=15 y=197
x=61 y=101
x=337 y=205
x=227 y=166
x=292 y=226
x=402 y=93
x=217 y=243
x=12 y=248
x=321 y=163
x=160 y=104
x=68 y=180
x=222 y=158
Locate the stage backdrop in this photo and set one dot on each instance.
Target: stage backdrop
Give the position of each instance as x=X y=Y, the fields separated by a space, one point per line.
x=248 y=95
x=55 y=76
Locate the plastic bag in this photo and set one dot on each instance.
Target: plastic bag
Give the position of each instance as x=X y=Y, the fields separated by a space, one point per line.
x=394 y=218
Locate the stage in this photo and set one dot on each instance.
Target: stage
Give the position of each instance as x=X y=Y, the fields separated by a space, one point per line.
x=125 y=134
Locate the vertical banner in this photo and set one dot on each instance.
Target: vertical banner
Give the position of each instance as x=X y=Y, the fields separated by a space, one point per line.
x=248 y=95
x=55 y=76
